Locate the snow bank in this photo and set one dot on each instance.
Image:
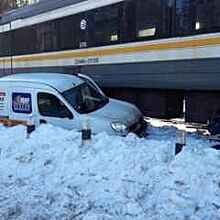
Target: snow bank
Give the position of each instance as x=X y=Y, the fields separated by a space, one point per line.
x=51 y=176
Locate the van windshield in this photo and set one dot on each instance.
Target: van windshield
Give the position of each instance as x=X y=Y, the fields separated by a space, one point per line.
x=85 y=98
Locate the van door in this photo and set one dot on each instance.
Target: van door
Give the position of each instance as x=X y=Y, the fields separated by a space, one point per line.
x=53 y=109
x=21 y=103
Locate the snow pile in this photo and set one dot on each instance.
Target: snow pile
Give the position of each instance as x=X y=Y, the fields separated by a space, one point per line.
x=51 y=176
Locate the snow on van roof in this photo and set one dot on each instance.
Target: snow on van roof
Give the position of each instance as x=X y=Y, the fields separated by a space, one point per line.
x=59 y=81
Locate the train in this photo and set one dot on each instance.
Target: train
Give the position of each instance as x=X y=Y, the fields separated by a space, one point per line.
x=162 y=55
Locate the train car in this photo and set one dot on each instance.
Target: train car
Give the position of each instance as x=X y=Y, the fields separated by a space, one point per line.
x=163 y=55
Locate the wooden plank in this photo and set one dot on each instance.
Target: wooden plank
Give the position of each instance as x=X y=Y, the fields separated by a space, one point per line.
x=11 y=122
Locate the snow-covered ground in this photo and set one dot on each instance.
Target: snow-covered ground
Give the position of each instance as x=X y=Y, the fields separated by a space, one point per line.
x=51 y=176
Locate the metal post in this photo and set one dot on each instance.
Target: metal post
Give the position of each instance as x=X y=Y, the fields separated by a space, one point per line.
x=86 y=132
x=11 y=55
x=180 y=141
x=30 y=127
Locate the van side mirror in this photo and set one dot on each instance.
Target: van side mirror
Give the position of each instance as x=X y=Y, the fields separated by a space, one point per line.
x=42 y=121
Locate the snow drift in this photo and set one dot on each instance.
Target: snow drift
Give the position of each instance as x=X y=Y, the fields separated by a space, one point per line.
x=51 y=176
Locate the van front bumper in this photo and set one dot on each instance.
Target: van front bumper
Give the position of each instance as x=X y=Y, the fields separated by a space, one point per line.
x=139 y=128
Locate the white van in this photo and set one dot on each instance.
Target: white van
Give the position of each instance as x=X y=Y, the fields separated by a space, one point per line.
x=64 y=100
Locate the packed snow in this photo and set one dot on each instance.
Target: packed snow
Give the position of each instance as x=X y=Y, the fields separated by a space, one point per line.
x=52 y=176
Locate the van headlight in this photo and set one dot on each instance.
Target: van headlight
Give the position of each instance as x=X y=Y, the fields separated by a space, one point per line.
x=119 y=127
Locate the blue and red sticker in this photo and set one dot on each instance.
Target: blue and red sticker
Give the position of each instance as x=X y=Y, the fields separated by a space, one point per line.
x=21 y=103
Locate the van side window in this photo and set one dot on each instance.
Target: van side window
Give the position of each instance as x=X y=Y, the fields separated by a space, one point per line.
x=50 y=106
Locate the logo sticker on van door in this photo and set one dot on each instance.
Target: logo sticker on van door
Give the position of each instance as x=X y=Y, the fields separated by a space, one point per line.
x=21 y=103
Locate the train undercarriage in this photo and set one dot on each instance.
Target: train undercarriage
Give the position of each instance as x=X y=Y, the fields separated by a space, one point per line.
x=194 y=106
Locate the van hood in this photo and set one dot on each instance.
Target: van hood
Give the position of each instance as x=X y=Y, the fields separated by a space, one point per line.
x=118 y=111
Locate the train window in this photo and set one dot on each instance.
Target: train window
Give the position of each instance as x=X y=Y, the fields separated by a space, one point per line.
x=5 y=46
x=128 y=23
x=149 y=16
x=66 y=33
x=2 y=53
x=1 y=50
x=197 y=16
x=186 y=17
x=18 y=42
x=24 y=40
x=106 y=23
x=46 y=36
x=74 y=31
x=83 y=30
x=207 y=15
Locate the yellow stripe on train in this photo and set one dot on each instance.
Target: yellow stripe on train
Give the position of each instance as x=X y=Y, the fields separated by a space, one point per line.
x=119 y=49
